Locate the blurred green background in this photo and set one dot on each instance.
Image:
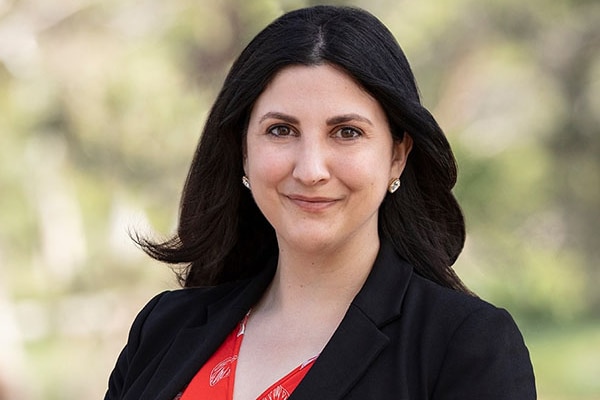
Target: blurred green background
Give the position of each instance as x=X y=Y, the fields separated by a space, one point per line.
x=101 y=105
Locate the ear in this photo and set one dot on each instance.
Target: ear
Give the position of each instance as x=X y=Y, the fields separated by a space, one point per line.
x=400 y=154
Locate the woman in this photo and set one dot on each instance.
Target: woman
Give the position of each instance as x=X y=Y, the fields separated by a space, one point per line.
x=318 y=226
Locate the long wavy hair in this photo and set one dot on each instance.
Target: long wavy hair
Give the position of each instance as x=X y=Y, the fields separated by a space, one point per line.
x=222 y=235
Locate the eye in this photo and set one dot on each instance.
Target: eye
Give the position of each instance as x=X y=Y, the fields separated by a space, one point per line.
x=347 y=132
x=280 y=131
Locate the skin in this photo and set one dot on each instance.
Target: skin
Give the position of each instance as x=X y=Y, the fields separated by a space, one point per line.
x=319 y=158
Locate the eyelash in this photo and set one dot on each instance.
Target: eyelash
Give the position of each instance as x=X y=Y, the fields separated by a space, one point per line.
x=272 y=129
x=338 y=133
x=356 y=133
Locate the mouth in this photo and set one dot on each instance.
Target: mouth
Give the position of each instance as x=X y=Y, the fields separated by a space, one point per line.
x=312 y=204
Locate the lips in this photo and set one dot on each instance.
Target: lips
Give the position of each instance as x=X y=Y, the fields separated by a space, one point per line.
x=312 y=204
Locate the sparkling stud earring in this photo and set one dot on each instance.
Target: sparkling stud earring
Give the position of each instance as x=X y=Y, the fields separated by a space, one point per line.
x=245 y=181
x=394 y=185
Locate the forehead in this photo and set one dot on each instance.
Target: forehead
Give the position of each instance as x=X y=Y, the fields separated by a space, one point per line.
x=325 y=87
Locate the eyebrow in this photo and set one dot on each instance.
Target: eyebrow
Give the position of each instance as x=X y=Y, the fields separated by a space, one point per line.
x=280 y=116
x=338 y=119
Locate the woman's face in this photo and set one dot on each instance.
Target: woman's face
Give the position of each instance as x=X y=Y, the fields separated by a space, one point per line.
x=320 y=157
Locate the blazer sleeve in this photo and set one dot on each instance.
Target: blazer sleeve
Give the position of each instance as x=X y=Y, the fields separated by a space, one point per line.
x=116 y=381
x=486 y=358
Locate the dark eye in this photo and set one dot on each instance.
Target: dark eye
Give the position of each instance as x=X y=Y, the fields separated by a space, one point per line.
x=280 y=131
x=347 y=133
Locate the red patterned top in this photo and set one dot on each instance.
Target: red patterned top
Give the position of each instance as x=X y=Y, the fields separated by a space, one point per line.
x=215 y=379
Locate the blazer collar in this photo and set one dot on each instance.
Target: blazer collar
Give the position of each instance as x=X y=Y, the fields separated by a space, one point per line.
x=193 y=346
x=359 y=339
x=382 y=295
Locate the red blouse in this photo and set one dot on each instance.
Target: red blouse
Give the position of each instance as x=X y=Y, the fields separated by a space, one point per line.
x=215 y=379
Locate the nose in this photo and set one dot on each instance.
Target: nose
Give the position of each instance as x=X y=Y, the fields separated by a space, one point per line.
x=311 y=161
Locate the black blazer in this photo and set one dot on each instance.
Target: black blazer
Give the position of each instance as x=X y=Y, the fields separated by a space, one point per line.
x=403 y=337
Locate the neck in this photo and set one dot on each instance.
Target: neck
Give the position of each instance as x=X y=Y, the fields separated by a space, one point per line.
x=326 y=281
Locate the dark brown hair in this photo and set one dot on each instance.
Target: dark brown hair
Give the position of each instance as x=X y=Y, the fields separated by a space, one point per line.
x=222 y=235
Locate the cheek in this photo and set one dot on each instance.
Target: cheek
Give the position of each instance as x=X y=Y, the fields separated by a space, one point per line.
x=370 y=169
x=267 y=165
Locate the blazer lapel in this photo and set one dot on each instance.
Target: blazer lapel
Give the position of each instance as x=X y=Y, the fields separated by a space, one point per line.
x=359 y=339
x=193 y=346
x=353 y=347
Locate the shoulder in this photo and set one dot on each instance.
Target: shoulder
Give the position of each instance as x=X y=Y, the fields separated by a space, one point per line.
x=182 y=307
x=454 y=319
x=478 y=348
x=181 y=299
x=156 y=327
x=448 y=307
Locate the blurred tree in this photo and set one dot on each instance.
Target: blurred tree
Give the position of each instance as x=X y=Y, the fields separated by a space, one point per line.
x=572 y=58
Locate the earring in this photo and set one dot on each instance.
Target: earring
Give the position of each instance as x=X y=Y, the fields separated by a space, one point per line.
x=246 y=181
x=394 y=185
